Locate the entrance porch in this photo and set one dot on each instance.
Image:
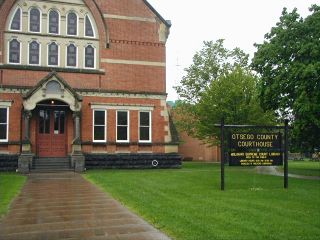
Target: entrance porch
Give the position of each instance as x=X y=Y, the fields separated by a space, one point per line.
x=51 y=120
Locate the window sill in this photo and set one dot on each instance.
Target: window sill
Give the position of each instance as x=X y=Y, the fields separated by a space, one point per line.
x=49 y=69
x=2 y=143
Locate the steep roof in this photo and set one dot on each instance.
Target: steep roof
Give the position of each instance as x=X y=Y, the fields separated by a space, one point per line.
x=166 y=22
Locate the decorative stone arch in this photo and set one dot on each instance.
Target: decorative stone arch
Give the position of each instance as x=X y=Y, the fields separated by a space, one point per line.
x=52 y=87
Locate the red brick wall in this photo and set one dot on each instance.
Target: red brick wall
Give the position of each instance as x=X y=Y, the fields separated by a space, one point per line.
x=130 y=41
x=158 y=124
x=193 y=149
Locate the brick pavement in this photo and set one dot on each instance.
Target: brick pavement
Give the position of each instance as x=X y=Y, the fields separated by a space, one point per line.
x=66 y=206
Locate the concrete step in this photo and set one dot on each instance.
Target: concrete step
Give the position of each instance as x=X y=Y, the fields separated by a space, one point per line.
x=50 y=170
x=51 y=165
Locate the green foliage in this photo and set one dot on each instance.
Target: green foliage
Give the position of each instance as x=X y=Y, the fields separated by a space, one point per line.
x=218 y=84
x=289 y=66
x=213 y=61
x=188 y=204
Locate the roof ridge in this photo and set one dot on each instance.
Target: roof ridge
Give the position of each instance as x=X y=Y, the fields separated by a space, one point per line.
x=166 y=22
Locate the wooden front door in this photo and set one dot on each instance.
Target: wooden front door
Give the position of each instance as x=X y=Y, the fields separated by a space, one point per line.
x=52 y=133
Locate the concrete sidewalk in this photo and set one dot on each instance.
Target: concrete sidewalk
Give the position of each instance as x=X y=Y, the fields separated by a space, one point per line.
x=66 y=206
x=272 y=170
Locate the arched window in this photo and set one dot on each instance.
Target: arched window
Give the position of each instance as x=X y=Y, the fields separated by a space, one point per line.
x=53 y=87
x=53 y=54
x=88 y=27
x=72 y=55
x=34 y=53
x=89 y=58
x=16 y=21
x=14 y=51
x=72 y=24
x=34 y=20
x=54 y=20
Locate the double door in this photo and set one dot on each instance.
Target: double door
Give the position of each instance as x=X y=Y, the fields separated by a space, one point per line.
x=51 y=137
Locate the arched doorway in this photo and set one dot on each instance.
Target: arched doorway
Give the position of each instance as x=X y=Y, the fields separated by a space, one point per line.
x=51 y=121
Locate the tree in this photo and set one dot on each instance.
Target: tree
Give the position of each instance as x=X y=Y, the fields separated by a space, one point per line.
x=289 y=65
x=213 y=61
x=218 y=84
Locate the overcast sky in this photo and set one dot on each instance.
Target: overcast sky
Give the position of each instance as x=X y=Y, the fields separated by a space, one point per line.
x=240 y=22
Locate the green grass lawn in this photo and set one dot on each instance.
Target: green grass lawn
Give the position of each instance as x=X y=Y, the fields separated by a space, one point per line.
x=306 y=168
x=10 y=185
x=187 y=203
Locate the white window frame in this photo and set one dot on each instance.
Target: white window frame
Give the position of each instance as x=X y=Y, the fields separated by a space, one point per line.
x=77 y=24
x=150 y=127
x=77 y=58
x=59 y=22
x=20 y=55
x=95 y=57
x=40 y=27
x=39 y=53
x=10 y=23
x=84 y=27
x=48 y=55
x=105 y=125
x=128 y=126
x=7 y=123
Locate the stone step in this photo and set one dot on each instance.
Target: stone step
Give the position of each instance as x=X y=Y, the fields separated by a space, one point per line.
x=51 y=170
x=51 y=165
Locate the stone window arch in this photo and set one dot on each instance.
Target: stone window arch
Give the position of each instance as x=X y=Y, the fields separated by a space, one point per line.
x=34 y=57
x=14 y=51
x=88 y=27
x=54 y=22
x=53 y=54
x=72 y=55
x=89 y=57
x=53 y=87
x=16 y=20
x=72 y=24
x=35 y=20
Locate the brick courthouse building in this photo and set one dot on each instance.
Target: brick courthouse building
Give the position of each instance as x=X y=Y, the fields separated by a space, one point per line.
x=84 y=80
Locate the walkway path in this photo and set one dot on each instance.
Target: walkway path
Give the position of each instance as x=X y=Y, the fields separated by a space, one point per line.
x=66 y=206
x=272 y=170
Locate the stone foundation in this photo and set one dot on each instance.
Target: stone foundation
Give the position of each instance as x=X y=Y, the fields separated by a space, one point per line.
x=132 y=161
x=8 y=163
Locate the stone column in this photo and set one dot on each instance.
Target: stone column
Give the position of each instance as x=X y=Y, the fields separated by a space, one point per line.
x=27 y=115
x=26 y=144
x=77 y=158
x=76 y=123
x=26 y=157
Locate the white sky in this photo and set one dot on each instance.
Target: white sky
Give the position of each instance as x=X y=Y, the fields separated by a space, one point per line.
x=240 y=22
